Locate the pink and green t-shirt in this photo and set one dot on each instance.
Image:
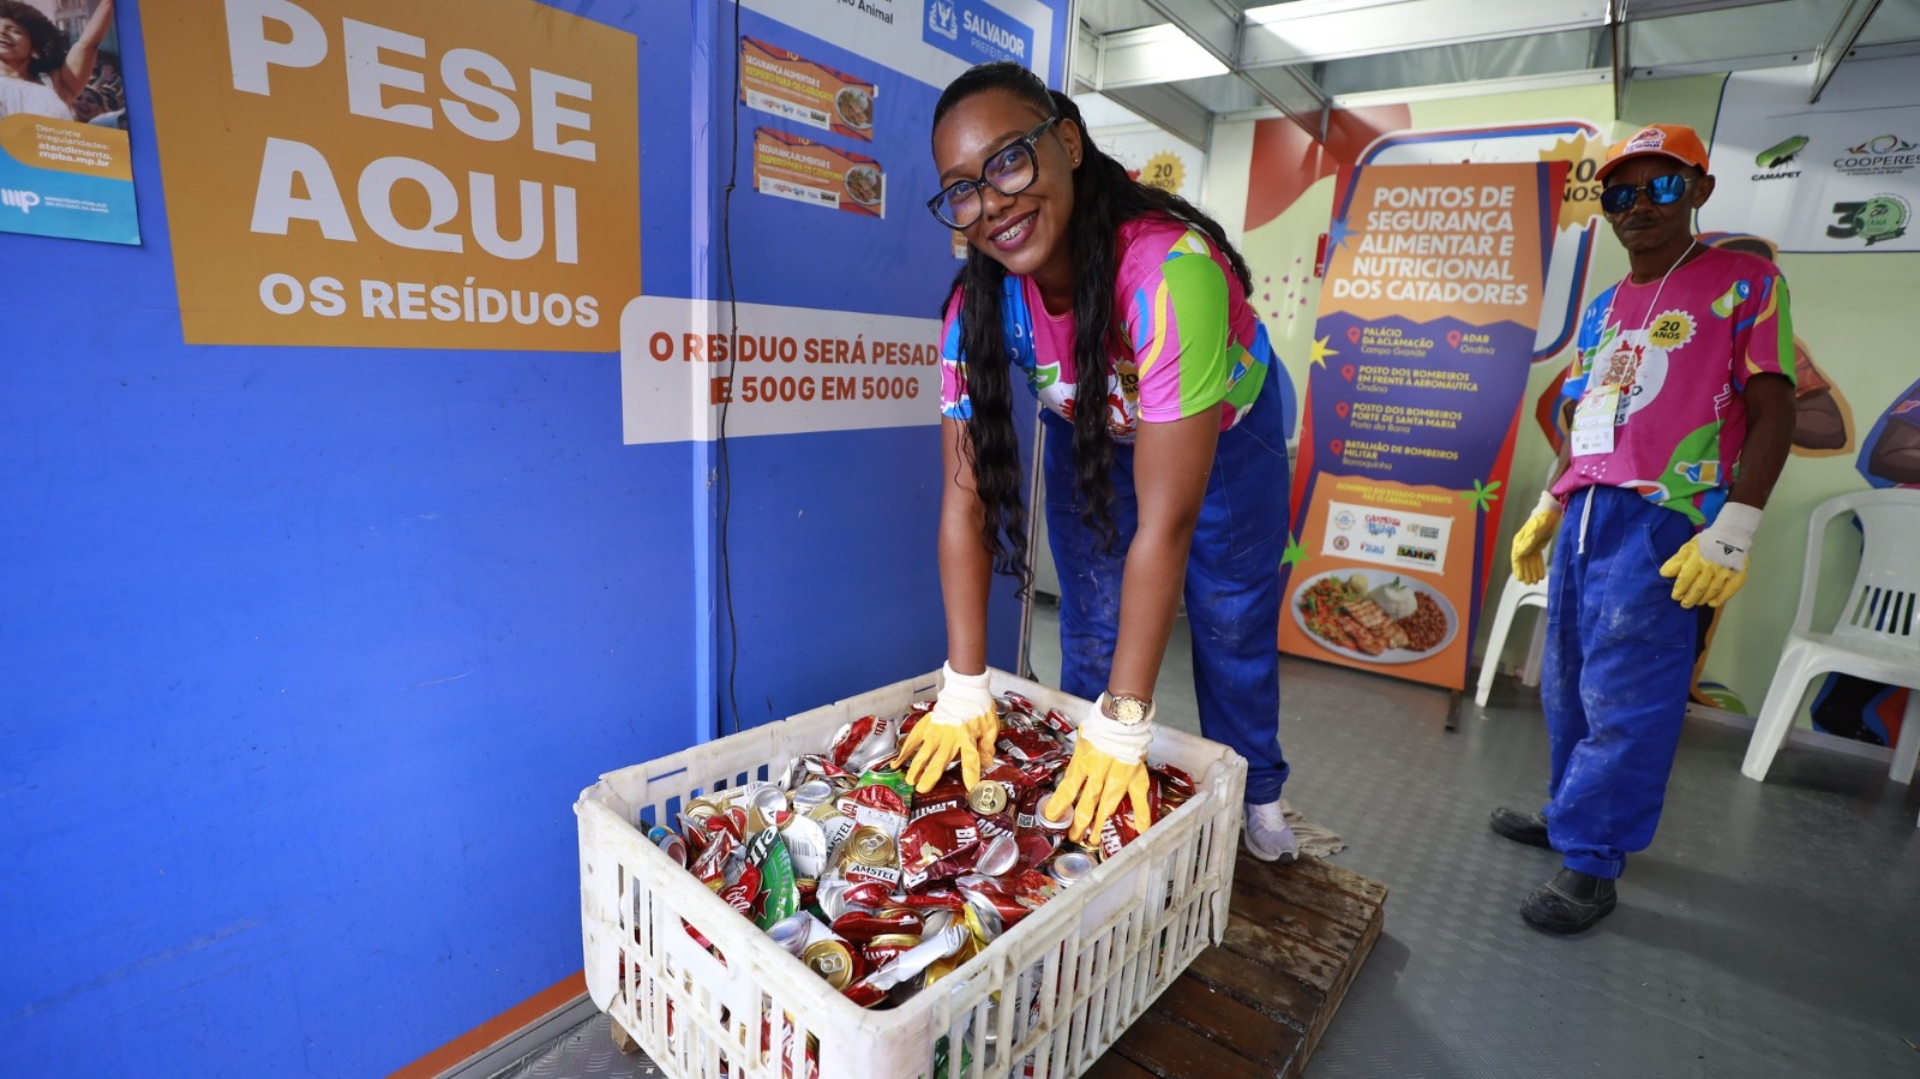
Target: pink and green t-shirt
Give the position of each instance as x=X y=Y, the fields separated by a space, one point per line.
x=1193 y=340
x=1680 y=356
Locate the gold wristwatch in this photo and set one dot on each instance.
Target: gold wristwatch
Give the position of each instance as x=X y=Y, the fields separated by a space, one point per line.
x=1125 y=710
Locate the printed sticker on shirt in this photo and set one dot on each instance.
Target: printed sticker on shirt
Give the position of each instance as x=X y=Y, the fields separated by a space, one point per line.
x=1622 y=364
x=1739 y=291
x=1671 y=331
x=1129 y=373
x=1651 y=490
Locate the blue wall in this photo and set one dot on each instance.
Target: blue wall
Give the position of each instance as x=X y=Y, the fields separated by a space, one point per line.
x=306 y=652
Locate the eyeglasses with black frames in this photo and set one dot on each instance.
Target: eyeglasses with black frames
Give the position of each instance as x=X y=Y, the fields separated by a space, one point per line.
x=1012 y=169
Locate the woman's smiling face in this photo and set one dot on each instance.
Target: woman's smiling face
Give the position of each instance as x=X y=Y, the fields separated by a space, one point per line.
x=16 y=45
x=1026 y=232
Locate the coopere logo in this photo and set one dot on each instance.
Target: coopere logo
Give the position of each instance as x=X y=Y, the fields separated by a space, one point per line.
x=24 y=201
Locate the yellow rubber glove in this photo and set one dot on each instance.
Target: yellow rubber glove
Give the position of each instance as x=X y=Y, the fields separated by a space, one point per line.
x=1713 y=565
x=1109 y=763
x=963 y=725
x=1530 y=543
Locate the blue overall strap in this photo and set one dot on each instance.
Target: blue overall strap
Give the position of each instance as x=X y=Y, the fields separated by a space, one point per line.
x=1016 y=320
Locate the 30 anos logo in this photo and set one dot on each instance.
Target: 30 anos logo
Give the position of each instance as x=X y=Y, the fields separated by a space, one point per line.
x=24 y=201
x=1877 y=220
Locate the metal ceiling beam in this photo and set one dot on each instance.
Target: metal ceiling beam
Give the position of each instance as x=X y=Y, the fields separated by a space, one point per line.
x=1086 y=60
x=1846 y=30
x=1275 y=84
x=1155 y=54
x=1219 y=31
x=1661 y=9
x=1172 y=111
x=1309 y=31
x=1622 y=69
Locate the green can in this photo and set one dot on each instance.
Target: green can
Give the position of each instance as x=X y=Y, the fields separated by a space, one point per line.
x=780 y=895
x=889 y=777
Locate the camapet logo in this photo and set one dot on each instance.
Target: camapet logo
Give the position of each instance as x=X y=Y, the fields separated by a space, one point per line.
x=24 y=201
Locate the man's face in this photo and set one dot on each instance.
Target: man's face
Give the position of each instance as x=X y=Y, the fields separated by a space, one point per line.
x=1645 y=227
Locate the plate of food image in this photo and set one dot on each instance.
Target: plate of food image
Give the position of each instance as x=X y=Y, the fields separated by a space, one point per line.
x=855 y=107
x=1374 y=616
x=863 y=183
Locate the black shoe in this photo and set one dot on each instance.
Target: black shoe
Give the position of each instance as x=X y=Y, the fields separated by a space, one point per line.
x=1570 y=902
x=1528 y=828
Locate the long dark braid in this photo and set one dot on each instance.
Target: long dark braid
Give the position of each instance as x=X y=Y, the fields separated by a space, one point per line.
x=1104 y=198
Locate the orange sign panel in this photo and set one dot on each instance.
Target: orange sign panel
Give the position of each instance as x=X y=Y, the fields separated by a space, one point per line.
x=434 y=174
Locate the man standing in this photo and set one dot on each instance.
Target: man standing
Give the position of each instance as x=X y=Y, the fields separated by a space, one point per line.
x=1682 y=401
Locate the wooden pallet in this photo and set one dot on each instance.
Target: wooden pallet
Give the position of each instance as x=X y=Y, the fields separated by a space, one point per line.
x=1258 y=1003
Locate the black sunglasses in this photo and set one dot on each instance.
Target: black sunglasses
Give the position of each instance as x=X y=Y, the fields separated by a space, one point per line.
x=1010 y=170
x=1661 y=191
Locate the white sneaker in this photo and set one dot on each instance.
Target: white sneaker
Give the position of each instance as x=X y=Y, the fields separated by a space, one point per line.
x=1268 y=835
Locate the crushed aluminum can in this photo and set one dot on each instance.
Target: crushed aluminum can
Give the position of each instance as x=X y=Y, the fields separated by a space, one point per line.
x=998 y=856
x=861 y=926
x=872 y=856
x=764 y=804
x=832 y=960
x=793 y=933
x=888 y=777
x=947 y=794
x=879 y=807
x=1179 y=785
x=868 y=895
x=829 y=894
x=875 y=740
x=886 y=948
x=807 y=846
x=1071 y=866
x=811 y=793
x=669 y=842
x=937 y=847
x=1035 y=849
x=1117 y=832
x=1020 y=744
x=996 y=826
x=989 y=797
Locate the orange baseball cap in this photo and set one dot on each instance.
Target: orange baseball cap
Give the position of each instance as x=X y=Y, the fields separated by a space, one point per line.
x=1676 y=141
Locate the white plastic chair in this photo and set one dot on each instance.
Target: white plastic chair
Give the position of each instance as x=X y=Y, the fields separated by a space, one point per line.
x=1513 y=597
x=1877 y=635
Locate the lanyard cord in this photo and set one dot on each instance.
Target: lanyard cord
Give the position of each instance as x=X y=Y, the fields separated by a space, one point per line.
x=1655 y=305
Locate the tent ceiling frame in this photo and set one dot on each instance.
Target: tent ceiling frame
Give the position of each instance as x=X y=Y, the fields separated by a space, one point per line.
x=1622 y=68
x=1275 y=50
x=1839 y=42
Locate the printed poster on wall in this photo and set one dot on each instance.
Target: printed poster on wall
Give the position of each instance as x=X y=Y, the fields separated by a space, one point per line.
x=840 y=269
x=65 y=169
x=435 y=174
x=1840 y=175
x=1420 y=360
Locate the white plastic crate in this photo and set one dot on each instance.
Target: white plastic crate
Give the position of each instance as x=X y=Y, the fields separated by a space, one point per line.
x=1064 y=983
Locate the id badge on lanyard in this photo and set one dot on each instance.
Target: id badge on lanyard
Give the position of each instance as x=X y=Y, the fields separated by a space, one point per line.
x=1604 y=408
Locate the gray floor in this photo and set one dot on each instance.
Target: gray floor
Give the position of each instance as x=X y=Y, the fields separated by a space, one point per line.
x=1773 y=930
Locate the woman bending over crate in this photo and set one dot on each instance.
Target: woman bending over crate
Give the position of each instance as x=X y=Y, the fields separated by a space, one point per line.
x=1126 y=310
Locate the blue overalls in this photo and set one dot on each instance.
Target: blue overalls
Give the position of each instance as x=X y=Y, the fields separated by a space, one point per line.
x=1616 y=674
x=1232 y=588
